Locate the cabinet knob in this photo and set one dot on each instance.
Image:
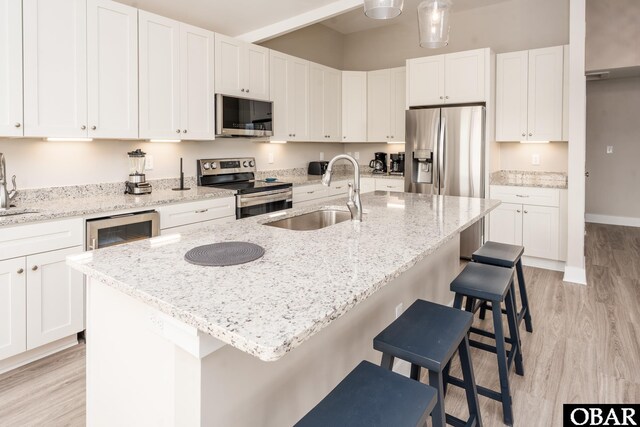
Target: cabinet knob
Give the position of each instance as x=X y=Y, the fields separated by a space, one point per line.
x=530 y=133
x=83 y=127
x=442 y=97
x=17 y=124
x=524 y=134
x=446 y=97
x=518 y=210
x=526 y=211
x=294 y=134
x=247 y=90
x=184 y=131
x=178 y=131
x=344 y=137
x=34 y=268
x=93 y=128
x=20 y=270
x=241 y=90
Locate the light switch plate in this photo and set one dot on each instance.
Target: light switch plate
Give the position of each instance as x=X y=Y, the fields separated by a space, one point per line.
x=148 y=163
x=356 y=155
x=535 y=159
x=271 y=159
x=609 y=149
x=322 y=155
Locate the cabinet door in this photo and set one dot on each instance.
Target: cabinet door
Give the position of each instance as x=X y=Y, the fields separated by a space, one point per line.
x=13 y=329
x=426 y=80
x=316 y=103
x=333 y=105
x=112 y=54
x=398 y=103
x=55 y=297
x=511 y=96
x=228 y=63
x=159 y=77
x=540 y=231
x=465 y=77
x=11 y=123
x=354 y=106
x=505 y=224
x=545 y=94
x=196 y=83
x=279 y=77
x=379 y=106
x=256 y=71
x=55 y=68
x=298 y=101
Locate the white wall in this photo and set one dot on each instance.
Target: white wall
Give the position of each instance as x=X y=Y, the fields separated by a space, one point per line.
x=39 y=163
x=517 y=156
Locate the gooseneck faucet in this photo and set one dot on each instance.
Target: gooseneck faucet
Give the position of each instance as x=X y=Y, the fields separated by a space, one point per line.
x=5 y=195
x=354 y=204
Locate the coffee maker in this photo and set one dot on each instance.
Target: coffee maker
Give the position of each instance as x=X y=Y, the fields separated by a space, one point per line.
x=396 y=167
x=379 y=163
x=137 y=183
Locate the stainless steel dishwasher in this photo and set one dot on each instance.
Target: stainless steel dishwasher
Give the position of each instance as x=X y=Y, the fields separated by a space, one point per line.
x=119 y=229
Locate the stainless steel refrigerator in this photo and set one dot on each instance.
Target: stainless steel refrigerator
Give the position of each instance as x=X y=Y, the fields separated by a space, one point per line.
x=445 y=156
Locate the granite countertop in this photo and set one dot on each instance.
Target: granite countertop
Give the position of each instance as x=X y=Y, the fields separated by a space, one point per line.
x=530 y=179
x=305 y=280
x=300 y=180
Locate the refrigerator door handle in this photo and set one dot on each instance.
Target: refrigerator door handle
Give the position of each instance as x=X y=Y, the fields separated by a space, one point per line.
x=441 y=155
x=435 y=186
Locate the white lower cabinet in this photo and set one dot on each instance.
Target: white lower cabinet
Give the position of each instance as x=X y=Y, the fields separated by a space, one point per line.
x=200 y=212
x=538 y=222
x=389 y=185
x=313 y=193
x=308 y=193
x=13 y=324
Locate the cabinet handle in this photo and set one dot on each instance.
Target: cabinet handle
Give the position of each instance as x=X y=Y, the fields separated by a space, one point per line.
x=530 y=133
x=247 y=90
x=522 y=196
x=34 y=268
x=524 y=134
x=93 y=128
x=442 y=97
x=446 y=97
x=178 y=131
x=526 y=212
x=241 y=90
x=20 y=270
x=83 y=127
x=310 y=192
x=202 y=211
x=17 y=124
x=518 y=210
x=184 y=131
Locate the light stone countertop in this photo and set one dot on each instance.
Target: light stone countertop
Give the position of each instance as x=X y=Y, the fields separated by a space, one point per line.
x=305 y=280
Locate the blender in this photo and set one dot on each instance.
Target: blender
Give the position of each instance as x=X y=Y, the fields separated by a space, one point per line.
x=137 y=183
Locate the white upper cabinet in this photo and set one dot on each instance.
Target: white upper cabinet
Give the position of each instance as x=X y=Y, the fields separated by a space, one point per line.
x=325 y=103
x=454 y=78
x=55 y=68
x=159 y=50
x=11 y=120
x=290 y=95
x=242 y=69
x=176 y=79
x=13 y=336
x=354 y=106
x=112 y=52
x=386 y=105
x=197 y=94
x=529 y=95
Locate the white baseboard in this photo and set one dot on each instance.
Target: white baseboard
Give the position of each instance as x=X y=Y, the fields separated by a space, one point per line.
x=547 y=264
x=27 y=357
x=613 y=220
x=575 y=275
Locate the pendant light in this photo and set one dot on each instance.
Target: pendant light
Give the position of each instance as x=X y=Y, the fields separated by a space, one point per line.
x=433 y=21
x=383 y=9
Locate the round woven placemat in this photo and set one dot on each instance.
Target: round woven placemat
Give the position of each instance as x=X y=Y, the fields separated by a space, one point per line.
x=224 y=254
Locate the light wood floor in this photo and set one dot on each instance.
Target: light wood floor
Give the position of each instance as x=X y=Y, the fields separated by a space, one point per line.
x=585 y=349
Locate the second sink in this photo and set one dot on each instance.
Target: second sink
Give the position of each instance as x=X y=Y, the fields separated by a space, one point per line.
x=313 y=220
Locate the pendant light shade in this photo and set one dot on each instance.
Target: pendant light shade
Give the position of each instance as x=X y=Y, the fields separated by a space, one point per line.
x=433 y=21
x=383 y=9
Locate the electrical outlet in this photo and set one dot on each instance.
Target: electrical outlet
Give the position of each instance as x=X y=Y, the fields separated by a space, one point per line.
x=148 y=162
x=399 y=310
x=535 y=159
x=356 y=155
x=322 y=155
x=609 y=149
x=271 y=159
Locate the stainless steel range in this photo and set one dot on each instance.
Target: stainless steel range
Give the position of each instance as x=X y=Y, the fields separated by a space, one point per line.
x=253 y=197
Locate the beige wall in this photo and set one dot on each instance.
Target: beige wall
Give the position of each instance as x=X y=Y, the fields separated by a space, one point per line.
x=613 y=186
x=366 y=151
x=517 y=156
x=315 y=43
x=613 y=34
x=48 y=164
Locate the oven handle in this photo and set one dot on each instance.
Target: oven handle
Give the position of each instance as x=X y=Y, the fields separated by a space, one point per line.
x=250 y=196
x=254 y=201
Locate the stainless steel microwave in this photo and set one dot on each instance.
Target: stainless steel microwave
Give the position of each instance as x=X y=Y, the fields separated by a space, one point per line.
x=243 y=117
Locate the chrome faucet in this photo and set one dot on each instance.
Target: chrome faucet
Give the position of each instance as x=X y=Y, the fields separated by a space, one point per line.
x=354 y=204
x=5 y=195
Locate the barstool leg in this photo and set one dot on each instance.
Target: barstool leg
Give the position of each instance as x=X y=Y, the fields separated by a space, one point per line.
x=483 y=311
x=470 y=382
x=516 y=344
x=438 y=415
x=524 y=298
x=415 y=372
x=457 y=302
x=507 y=410
x=387 y=361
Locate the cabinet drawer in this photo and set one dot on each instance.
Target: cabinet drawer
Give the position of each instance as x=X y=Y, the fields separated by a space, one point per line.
x=309 y=192
x=389 y=185
x=526 y=195
x=190 y=213
x=40 y=237
x=339 y=188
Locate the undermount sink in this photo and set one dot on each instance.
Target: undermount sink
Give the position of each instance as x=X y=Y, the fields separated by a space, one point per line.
x=13 y=211
x=313 y=220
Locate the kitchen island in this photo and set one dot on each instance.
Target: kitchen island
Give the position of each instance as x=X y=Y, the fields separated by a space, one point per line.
x=171 y=343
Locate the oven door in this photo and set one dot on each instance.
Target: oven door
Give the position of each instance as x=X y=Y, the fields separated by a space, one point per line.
x=119 y=229
x=253 y=204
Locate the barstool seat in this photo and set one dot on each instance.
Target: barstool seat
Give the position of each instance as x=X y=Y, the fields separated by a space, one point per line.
x=509 y=256
x=371 y=396
x=483 y=281
x=428 y=335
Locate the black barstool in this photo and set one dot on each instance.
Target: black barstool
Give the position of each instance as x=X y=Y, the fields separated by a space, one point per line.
x=481 y=283
x=371 y=396
x=509 y=256
x=427 y=335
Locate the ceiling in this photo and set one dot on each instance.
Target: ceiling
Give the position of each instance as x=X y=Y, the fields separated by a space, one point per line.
x=231 y=17
x=354 y=21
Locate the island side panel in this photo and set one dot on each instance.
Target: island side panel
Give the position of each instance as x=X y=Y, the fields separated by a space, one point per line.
x=241 y=390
